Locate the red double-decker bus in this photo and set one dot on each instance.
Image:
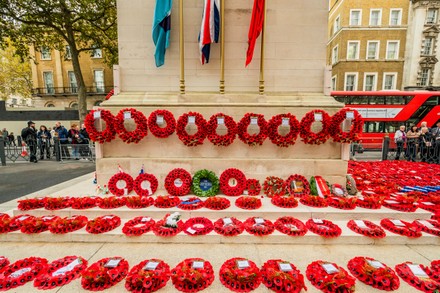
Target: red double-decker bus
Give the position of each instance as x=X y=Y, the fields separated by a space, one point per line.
x=385 y=111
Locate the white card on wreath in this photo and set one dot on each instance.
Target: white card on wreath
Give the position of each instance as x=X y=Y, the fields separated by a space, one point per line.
x=97 y=115
x=360 y=224
x=220 y=120
x=242 y=264
x=285 y=267
x=145 y=219
x=151 y=266
x=67 y=268
x=317 y=221
x=191 y=230
x=112 y=263
x=159 y=119
x=427 y=224
x=390 y=201
x=330 y=268
x=254 y=120
x=318 y=116
x=285 y=121
x=427 y=203
x=22 y=218
x=227 y=221
x=417 y=270
x=127 y=115
x=349 y=115
x=398 y=223
x=108 y=217
x=20 y=272
x=198 y=264
x=259 y=221
x=191 y=119
x=375 y=264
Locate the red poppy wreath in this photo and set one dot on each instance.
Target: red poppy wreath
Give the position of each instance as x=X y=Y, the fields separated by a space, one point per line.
x=416 y=276
x=366 y=228
x=252 y=119
x=66 y=225
x=240 y=275
x=258 y=226
x=282 y=276
x=228 y=122
x=166 y=201
x=401 y=227
x=192 y=118
x=324 y=228
x=35 y=225
x=217 y=203
x=274 y=186
x=148 y=276
x=20 y=272
x=82 y=203
x=178 y=182
x=31 y=203
x=253 y=186
x=111 y=202
x=170 y=225
x=192 y=275
x=357 y=123
x=139 y=118
x=57 y=203
x=282 y=201
x=314 y=201
x=232 y=182
x=113 y=184
x=329 y=277
x=290 y=226
x=138 y=226
x=306 y=134
x=103 y=224
x=150 y=181
x=228 y=226
x=248 y=202
x=104 y=273
x=106 y=135
x=428 y=226
x=190 y=204
x=297 y=185
x=4 y=261
x=198 y=226
x=138 y=202
x=160 y=117
x=61 y=272
x=283 y=120
x=8 y=224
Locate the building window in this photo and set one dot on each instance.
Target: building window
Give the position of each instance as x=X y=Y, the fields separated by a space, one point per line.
x=424 y=76
x=427 y=46
x=375 y=17
x=98 y=76
x=389 y=81
x=335 y=53
x=48 y=82
x=97 y=53
x=74 y=105
x=350 y=81
x=336 y=25
x=45 y=53
x=373 y=50
x=353 y=50
x=395 y=16
x=392 y=50
x=68 y=53
x=370 y=81
x=355 y=17
x=50 y=105
x=431 y=16
x=72 y=82
x=334 y=84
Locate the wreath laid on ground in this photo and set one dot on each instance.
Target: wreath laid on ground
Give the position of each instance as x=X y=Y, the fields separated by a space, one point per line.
x=283 y=201
x=57 y=203
x=148 y=276
x=178 y=182
x=111 y=202
x=429 y=206
x=282 y=276
x=106 y=135
x=287 y=120
x=258 y=226
x=35 y=225
x=221 y=140
x=198 y=226
x=313 y=201
x=8 y=224
x=192 y=275
x=309 y=137
x=141 y=178
x=114 y=189
x=82 y=203
x=290 y=226
x=205 y=183
x=217 y=203
x=324 y=228
x=248 y=202
x=274 y=186
x=240 y=275
x=20 y=272
x=168 y=118
x=170 y=225
x=294 y=188
x=374 y=273
x=104 y=273
x=138 y=202
x=190 y=204
x=228 y=226
x=67 y=225
x=139 y=118
x=399 y=206
x=166 y=201
x=232 y=182
x=366 y=228
x=329 y=277
x=31 y=203
x=319 y=186
x=253 y=186
x=138 y=226
x=369 y=202
x=342 y=203
x=421 y=281
x=196 y=138
x=103 y=224
x=434 y=270
x=4 y=261
x=401 y=227
x=427 y=226
x=254 y=139
x=357 y=123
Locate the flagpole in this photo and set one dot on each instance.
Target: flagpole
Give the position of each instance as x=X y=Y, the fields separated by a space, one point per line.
x=222 y=46
x=182 y=50
x=263 y=30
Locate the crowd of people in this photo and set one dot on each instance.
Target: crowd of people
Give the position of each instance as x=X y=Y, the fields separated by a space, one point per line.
x=421 y=140
x=43 y=140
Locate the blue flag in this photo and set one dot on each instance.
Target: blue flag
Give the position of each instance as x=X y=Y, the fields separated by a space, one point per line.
x=161 y=29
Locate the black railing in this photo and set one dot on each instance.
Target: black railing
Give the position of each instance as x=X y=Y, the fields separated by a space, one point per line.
x=64 y=91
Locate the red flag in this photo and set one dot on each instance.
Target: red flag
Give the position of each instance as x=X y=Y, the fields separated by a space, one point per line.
x=255 y=28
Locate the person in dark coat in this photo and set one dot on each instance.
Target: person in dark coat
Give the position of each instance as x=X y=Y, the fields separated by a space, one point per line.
x=426 y=145
x=63 y=135
x=44 y=142
x=84 y=148
x=29 y=135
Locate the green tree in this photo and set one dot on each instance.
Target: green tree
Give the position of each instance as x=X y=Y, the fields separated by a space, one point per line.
x=15 y=75
x=83 y=25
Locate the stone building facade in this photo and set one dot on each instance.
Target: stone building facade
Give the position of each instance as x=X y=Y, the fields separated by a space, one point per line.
x=54 y=83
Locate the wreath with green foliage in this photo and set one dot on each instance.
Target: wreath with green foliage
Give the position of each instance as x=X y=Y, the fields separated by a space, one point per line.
x=211 y=177
x=313 y=187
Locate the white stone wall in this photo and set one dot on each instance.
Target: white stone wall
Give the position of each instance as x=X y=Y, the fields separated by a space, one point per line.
x=295 y=48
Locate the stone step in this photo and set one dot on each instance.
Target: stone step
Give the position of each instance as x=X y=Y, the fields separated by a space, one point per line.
x=347 y=237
